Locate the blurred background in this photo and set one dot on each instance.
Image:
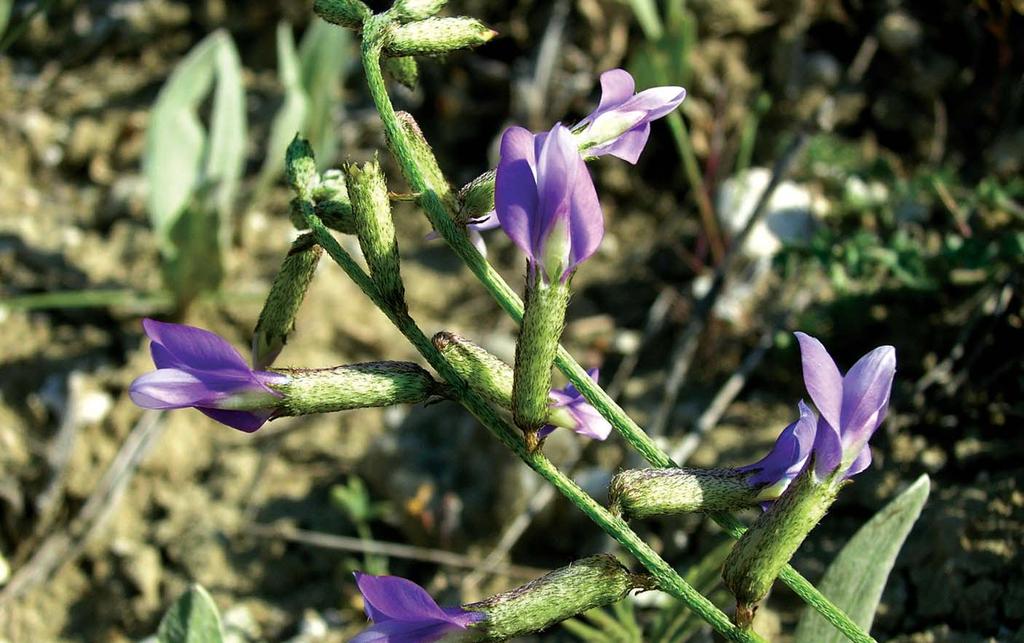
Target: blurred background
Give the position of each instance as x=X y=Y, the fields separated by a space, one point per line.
x=140 y=176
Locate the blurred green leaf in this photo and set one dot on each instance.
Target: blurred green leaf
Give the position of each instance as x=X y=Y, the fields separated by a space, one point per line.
x=354 y=499
x=646 y=12
x=323 y=55
x=191 y=173
x=855 y=579
x=292 y=115
x=5 y=14
x=193 y=618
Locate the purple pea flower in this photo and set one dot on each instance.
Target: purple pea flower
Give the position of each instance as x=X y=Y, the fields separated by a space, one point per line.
x=787 y=458
x=621 y=123
x=198 y=369
x=852 y=407
x=403 y=612
x=572 y=411
x=546 y=202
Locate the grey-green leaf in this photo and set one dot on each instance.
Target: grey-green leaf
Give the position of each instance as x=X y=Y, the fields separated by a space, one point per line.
x=193 y=618
x=290 y=118
x=225 y=160
x=855 y=579
x=323 y=55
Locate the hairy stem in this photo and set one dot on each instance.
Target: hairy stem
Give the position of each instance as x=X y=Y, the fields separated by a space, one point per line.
x=444 y=222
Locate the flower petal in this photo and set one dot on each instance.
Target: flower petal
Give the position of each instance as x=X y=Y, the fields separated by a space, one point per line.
x=627 y=147
x=395 y=598
x=515 y=187
x=617 y=87
x=588 y=421
x=245 y=421
x=188 y=347
x=866 y=389
x=558 y=165
x=586 y=220
x=656 y=101
x=822 y=378
x=171 y=388
x=860 y=463
x=789 y=453
x=406 y=632
x=828 y=449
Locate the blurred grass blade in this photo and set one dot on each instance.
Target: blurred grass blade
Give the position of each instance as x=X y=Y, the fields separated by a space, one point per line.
x=323 y=56
x=225 y=160
x=855 y=579
x=5 y=15
x=193 y=618
x=292 y=115
x=646 y=12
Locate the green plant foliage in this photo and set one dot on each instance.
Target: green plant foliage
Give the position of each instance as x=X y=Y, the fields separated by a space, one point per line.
x=323 y=56
x=190 y=171
x=855 y=579
x=193 y=618
x=292 y=115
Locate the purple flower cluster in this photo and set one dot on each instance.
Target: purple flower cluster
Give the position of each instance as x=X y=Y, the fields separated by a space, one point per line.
x=403 y=612
x=198 y=369
x=851 y=409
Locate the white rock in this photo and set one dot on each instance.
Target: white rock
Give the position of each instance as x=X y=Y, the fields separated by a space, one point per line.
x=789 y=218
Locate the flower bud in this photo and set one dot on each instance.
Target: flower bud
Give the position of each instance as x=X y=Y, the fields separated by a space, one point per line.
x=403 y=69
x=300 y=167
x=375 y=229
x=352 y=387
x=582 y=586
x=406 y=10
x=760 y=554
x=476 y=198
x=643 y=493
x=543 y=320
x=348 y=13
x=436 y=36
x=277 y=319
x=330 y=203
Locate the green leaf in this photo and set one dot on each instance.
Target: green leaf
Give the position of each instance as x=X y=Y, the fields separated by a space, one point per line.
x=855 y=579
x=193 y=618
x=5 y=14
x=225 y=160
x=323 y=55
x=292 y=115
x=646 y=12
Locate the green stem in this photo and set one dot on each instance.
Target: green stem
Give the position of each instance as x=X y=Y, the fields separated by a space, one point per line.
x=455 y=235
x=666 y=577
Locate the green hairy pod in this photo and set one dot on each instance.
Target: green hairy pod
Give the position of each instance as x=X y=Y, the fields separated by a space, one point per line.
x=424 y=156
x=762 y=552
x=277 y=319
x=483 y=372
x=643 y=493
x=347 y=13
x=354 y=386
x=375 y=229
x=407 y=10
x=403 y=69
x=300 y=167
x=543 y=320
x=566 y=592
x=436 y=36
x=330 y=203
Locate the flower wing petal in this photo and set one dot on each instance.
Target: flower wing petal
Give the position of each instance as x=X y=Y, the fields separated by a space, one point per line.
x=171 y=388
x=515 y=187
x=866 y=389
x=245 y=421
x=656 y=101
x=188 y=347
x=627 y=147
x=393 y=597
x=822 y=378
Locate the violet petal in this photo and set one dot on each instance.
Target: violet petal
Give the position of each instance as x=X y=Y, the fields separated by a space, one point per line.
x=180 y=346
x=822 y=378
x=515 y=187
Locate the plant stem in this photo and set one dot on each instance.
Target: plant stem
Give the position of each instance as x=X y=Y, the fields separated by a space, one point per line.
x=455 y=235
x=666 y=577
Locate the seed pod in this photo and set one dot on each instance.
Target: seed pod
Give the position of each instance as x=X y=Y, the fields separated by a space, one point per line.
x=436 y=36
x=643 y=493
x=375 y=229
x=300 y=167
x=584 y=585
x=352 y=387
x=476 y=198
x=406 y=10
x=403 y=69
x=277 y=319
x=484 y=373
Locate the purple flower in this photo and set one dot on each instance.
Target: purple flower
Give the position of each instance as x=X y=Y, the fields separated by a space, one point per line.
x=196 y=368
x=572 y=411
x=403 y=612
x=621 y=123
x=787 y=458
x=852 y=406
x=546 y=202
